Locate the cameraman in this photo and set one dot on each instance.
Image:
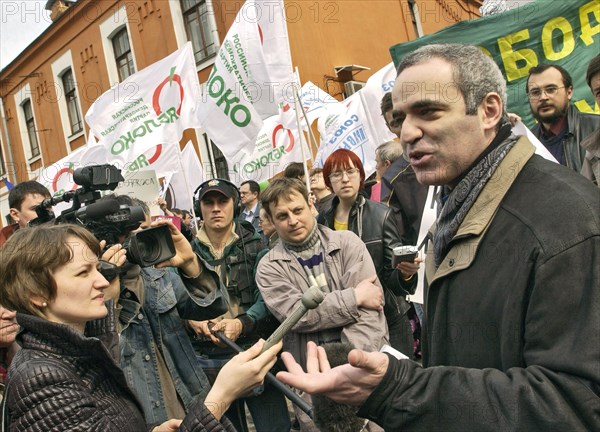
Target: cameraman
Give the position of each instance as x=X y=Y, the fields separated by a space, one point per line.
x=156 y=352
x=233 y=246
x=23 y=200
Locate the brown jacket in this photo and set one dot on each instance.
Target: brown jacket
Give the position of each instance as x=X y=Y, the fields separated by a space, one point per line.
x=282 y=281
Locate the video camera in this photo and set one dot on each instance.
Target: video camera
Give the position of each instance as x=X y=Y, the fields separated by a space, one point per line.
x=107 y=219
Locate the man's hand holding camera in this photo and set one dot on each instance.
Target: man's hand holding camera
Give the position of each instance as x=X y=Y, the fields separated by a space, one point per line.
x=115 y=255
x=185 y=258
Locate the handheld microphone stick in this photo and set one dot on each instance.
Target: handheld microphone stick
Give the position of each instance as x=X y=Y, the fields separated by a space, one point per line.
x=312 y=298
x=270 y=378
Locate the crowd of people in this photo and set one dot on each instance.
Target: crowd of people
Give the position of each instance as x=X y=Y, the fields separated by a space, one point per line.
x=509 y=331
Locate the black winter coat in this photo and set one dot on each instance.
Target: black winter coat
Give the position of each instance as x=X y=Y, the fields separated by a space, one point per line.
x=62 y=380
x=512 y=313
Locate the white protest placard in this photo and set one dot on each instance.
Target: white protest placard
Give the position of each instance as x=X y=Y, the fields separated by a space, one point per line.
x=427 y=220
x=520 y=129
x=151 y=107
x=251 y=77
x=144 y=186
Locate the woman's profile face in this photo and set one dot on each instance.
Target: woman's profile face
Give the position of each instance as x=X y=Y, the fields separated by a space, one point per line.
x=79 y=289
x=8 y=327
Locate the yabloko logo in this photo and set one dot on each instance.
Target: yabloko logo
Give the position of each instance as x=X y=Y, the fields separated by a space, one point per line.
x=173 y=77
x=64 y=171
x=142 y=161
x=280 y=128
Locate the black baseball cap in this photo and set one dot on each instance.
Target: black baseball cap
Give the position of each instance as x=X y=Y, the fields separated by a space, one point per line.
x=219 y=185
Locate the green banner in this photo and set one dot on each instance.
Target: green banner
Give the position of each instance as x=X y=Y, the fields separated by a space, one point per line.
x=563 y=32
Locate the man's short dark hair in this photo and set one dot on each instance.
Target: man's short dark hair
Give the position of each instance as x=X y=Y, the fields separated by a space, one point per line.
x=593 y=69
x=282 y=187
x=386 y=103
x=315 y=171
x=294 y=170
x=19 y=192
x=536 y=70
x=474 y=74
x=185 y=214
x=254 y=187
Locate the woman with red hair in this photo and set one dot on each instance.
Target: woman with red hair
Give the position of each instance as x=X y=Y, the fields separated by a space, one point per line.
x=373 y=223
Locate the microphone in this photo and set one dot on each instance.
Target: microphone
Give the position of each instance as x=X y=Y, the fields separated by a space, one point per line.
x=312 y=298
x=269 y=377
x=330 y=416
x=97 y=210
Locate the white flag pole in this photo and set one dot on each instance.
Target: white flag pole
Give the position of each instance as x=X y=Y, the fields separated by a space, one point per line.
x=187 y=186
x=302 y=137
x=313 y=140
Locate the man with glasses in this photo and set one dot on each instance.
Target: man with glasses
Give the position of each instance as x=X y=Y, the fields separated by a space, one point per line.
x=561 y=127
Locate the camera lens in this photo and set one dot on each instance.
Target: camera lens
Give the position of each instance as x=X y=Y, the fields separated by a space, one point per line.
x=148 y=249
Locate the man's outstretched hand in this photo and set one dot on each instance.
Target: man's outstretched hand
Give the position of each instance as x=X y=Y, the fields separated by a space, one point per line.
x=350 y=384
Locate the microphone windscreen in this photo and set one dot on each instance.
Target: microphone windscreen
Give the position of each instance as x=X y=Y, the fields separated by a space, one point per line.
x=100 y=209
x=330 y=416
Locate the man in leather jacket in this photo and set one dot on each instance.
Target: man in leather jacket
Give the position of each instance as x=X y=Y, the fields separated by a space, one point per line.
x=561 y=127
x=591 y=164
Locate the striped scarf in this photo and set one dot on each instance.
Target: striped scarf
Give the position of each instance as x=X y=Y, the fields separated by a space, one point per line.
x=310 y=255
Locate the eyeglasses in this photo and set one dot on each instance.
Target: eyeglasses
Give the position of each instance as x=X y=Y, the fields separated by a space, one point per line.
x=536 y=93
x=336 y=176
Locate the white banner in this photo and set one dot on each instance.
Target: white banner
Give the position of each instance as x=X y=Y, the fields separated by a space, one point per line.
x=151 y=107
x=162 y=158
x=177 y=194
x=251 y=75
x=276 y=146
x=316 y=102
x=380 y=83
x=521 y=130
x=349 y=128
x=144 y=186
x=427 y=221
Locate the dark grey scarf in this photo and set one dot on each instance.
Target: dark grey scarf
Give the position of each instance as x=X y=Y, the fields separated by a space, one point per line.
x=459 y=200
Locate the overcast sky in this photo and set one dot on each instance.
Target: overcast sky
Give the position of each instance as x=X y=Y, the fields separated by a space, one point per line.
x=21 y=21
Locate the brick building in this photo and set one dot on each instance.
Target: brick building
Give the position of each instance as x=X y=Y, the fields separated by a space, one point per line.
x=92 y=45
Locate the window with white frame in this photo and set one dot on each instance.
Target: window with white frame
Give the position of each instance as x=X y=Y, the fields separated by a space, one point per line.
x=198 y=28
x=72 y=104
x=30 y=125
x=123 y=55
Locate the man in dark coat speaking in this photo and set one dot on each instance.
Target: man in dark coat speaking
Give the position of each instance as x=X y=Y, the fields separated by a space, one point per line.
x=512 y=338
